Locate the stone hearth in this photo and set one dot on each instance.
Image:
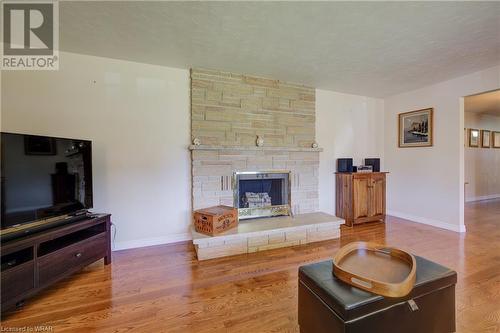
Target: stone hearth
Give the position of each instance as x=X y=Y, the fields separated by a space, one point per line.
x=268 y=233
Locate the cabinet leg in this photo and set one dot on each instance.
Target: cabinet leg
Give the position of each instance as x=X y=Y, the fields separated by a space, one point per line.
x=107 y=259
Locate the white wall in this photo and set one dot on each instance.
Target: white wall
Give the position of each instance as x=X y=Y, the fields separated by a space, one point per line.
x=346 y=126
x=482 y=165
x=426 y=184
x=137 y=116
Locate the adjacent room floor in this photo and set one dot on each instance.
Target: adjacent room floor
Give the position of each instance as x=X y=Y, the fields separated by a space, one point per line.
x=165 y=289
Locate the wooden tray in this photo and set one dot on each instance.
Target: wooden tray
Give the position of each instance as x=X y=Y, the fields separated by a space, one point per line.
x=376 y=268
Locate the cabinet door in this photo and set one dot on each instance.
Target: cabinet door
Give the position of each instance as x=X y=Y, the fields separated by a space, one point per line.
x=376 y=196
x=360 y=196
x=343 y=196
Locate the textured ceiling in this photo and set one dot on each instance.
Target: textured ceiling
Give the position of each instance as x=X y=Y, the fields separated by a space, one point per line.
x=487 y=103
x=366 y=48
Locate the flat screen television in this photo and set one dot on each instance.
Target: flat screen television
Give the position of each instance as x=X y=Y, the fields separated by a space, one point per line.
x=44 y=180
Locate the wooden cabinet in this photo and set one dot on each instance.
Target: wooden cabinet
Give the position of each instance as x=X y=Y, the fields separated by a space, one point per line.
x=360 y=197
x=34 y=262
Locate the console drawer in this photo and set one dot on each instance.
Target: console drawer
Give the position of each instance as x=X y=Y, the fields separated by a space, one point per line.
x=18 y=280
x=71 y=258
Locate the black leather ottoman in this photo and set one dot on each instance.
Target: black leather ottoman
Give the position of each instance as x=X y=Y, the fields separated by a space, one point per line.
x=327 y=304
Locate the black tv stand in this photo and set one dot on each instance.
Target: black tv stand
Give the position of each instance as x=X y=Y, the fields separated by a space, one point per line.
x=38 y=226
x=34 y=262
x=82 y=212
x=76 y=218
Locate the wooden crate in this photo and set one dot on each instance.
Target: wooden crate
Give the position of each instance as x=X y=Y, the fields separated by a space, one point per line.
x=215 y=220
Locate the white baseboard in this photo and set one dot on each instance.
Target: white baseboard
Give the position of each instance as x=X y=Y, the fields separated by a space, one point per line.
x=483 y=197
x=431 y=222
x=151 y=241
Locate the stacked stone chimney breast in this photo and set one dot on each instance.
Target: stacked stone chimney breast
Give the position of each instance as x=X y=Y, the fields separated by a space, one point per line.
x=228 y=112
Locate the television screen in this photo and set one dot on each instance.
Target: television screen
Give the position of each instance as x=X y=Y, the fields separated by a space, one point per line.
x=43 y=177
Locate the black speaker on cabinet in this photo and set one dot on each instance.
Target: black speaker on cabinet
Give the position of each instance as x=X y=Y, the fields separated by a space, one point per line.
x=374 y=162
x=344 y=165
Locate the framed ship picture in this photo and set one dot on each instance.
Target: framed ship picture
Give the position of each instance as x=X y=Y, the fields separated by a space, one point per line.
x=415 y=128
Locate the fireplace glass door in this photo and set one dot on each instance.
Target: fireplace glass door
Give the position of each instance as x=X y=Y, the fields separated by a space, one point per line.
x=262 y=194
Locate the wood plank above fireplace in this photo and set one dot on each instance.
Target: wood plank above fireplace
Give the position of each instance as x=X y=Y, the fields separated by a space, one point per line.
x=254 y=148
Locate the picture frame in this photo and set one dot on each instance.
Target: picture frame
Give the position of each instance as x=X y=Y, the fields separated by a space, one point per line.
x=39 y=145
x=485 y=139
x=415 y=128
x=474 y=137
x=495 y=139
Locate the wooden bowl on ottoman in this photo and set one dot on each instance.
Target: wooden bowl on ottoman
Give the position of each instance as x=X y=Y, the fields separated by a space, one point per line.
x=376 y=268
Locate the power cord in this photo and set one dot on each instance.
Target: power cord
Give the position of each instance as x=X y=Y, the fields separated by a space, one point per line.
x=113 y=226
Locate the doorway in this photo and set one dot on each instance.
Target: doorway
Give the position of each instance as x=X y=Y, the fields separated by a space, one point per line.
x=482 y=154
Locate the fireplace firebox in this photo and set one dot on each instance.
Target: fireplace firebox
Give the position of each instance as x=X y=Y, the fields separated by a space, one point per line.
x=262 y=193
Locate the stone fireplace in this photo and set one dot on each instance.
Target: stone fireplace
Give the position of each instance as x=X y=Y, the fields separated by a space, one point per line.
x=254 y=148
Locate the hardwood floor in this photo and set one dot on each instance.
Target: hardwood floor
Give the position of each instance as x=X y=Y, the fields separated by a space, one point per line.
x=164 y=288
